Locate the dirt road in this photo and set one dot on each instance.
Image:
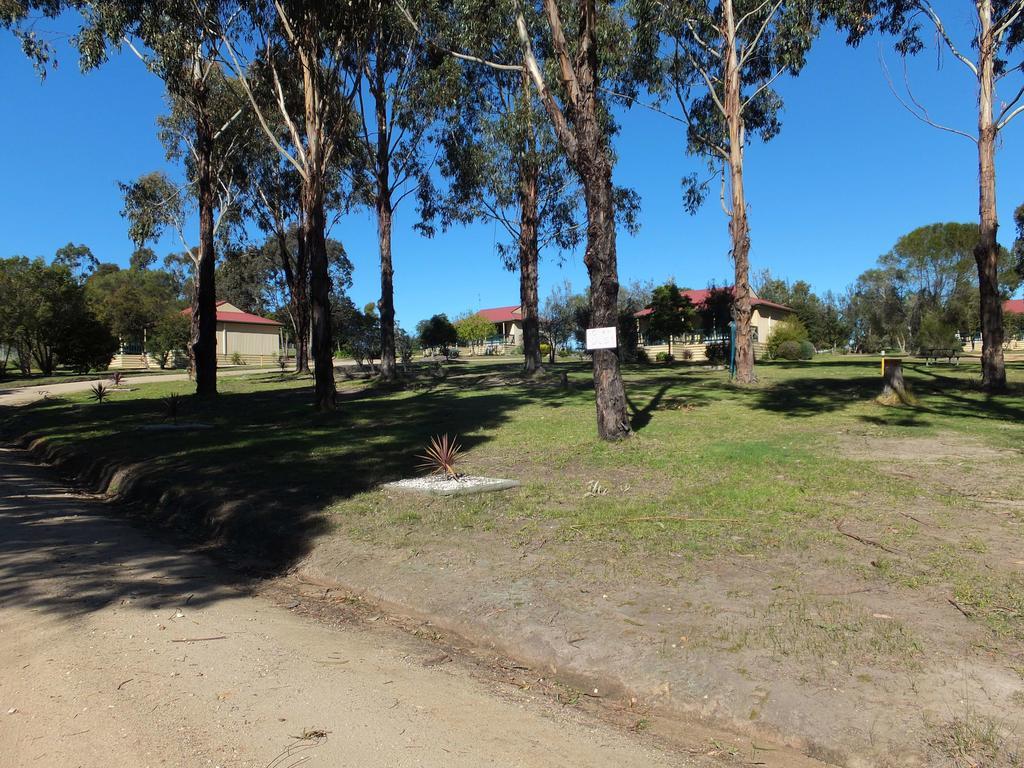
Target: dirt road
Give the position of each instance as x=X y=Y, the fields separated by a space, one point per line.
x=117 y=650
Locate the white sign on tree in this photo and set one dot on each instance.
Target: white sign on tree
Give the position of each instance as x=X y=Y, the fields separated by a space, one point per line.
x=602 y=338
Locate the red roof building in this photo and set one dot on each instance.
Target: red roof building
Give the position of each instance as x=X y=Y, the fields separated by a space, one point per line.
x=1016 y=306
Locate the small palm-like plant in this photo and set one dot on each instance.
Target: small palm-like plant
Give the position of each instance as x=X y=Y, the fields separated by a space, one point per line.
x=441 y=457
x=170 y=406
x=116 y=378
x=100 y=392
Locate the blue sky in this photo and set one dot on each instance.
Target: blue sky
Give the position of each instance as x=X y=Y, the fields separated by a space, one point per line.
x=850 y=172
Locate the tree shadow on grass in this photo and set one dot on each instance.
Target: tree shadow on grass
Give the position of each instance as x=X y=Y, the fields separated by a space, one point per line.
x=257 y=486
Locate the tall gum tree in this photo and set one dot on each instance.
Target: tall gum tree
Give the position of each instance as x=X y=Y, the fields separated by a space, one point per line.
x=995 y=32
x=400 y=93
x=176 y=40
x=722 y=61
x=311 y=45
x=505 y=164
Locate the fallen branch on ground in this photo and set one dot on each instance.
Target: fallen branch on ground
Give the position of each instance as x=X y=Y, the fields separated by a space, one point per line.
x=199 y=639
x=657 y=519
x=863 y=540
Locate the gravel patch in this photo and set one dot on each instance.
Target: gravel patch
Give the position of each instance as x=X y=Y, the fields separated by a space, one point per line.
x=441 y=486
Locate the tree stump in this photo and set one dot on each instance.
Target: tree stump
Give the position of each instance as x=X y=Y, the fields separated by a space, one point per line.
x=894 y=388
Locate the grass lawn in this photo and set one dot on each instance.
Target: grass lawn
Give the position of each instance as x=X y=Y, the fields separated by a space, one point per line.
x=799 y=482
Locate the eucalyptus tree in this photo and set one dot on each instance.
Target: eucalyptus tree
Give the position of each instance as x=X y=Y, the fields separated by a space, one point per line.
x=992 y=32
x=302 y=54
x=21 y=17
x=722 y=60
x=575 y=67
x=401 y=92
x=505 y=164
x=178 y=42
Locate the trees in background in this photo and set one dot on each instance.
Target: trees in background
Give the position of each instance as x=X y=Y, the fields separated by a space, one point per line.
x=672 y=313
x=437 y=332
x=473 y=328
x=45 y=318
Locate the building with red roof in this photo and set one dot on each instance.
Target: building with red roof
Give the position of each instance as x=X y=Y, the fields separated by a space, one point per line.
x=242 y=338
x=508 y=325
x=713 y=307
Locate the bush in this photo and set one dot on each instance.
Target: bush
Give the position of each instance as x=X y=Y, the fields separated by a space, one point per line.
x=717 y=352
x=236 y=358
x=664 y=357
x=88 y=346
x=788 y=330
x=788 y=350
x=563 y=352
x=545 y=349
x=687 y=354
x=642 y=356
x=807 y=350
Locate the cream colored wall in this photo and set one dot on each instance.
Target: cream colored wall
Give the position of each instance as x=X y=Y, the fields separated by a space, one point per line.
x=765 y=319
x=247 y=339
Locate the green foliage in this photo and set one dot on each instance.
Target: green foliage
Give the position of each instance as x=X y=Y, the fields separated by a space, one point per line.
x=1013 y=323
x=790 y=329
x=717 y=352
x=357 y=331
x=437 y=332
x=672 y=314
x=169 y=334
x=237 y=359
x=936 y=333
x=170 y=407
x=790 y=349
x=664 y=357
x=131 y=301
x=473 y=328
x=807 y=350
x=642 y=356
x=45 y=317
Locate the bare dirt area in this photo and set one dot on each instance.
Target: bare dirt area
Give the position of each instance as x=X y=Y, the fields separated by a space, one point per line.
x=119 y=651
x=895 y=638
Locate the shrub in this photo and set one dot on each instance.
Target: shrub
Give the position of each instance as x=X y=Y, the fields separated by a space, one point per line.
x=686 y=354
x=788 y=350
x=170 y=407
x=717 y=352
x=563 y=352
x=236 y=358
x=441 y=457
x=642 y=356
x=807 y=350
x=788 y=330
x=99 y=393
x=545 y=349
x=664 y=357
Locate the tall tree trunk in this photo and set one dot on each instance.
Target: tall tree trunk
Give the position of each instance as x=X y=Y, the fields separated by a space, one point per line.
x=385 y=218
x=203 y=344
x=386 y=305
x=528 y=257
x=313 y=227
x=600 y=258
x=296 y=277
x=739 y=229
x=986 y=252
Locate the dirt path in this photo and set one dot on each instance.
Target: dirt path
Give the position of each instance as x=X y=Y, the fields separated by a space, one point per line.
x=119 y=651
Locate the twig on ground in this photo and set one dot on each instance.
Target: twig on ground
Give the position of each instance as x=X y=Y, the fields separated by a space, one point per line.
x=199 y=639
x=863 y=540
x=959 y=607
x=657 y=519
x=124 y=683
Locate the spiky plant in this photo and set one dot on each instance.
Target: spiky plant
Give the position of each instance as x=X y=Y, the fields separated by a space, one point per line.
x=170 y=406
x=100 y=392
x=116 y=378
x=441 y=457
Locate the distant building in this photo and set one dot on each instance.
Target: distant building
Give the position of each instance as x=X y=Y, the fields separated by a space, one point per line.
x=508 y=327
x=241 y=336
x=713 y=307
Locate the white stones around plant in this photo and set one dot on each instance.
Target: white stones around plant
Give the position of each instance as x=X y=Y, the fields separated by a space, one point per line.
x=442 y=486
